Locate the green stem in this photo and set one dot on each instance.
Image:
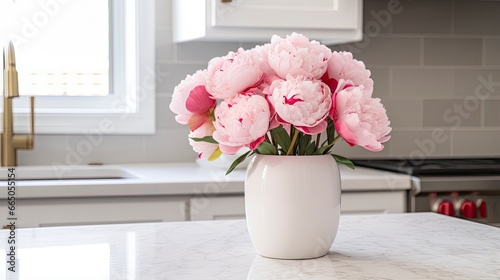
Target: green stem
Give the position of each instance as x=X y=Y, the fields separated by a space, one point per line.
x=318 y=138
x=335 y=139
x=290 y=149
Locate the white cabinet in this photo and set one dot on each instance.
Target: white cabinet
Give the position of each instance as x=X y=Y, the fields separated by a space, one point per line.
x=366 y=202
x=92 y=211
x=217 y=208
x=112 y=210
x=330 y=21
x=382 y=202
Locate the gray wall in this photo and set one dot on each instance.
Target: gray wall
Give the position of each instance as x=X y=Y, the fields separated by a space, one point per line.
x=428 y=60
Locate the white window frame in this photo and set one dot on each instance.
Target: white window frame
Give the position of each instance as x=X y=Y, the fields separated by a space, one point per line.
x=129 y=110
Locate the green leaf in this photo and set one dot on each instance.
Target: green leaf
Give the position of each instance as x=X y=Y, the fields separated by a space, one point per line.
x=266 y=148
x=304 y=141
x=330 y=131
x=324 y=143
x=311 y=148
x=344 y=161
x=208 y=139
x=239 y=160
x=282 y=138
x=323 y=150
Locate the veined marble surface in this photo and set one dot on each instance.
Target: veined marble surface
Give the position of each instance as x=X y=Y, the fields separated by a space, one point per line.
x=394 y=246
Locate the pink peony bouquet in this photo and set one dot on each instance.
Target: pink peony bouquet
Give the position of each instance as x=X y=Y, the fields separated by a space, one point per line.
x=289 y=97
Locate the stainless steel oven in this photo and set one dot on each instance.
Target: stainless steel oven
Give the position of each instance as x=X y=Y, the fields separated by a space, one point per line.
x=468 y=188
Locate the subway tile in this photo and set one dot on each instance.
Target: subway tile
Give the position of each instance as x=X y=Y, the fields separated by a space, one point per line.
x=170 y=75
x=47 y=150
x=204 y=51
x=380 y=78
x=417 y=144
x=168 y=145
x=343 y=149
x=476 y=142
x=452 y=51
x=385 y=51
x=106 y=149
x=404 y=113
x=165 y=118
x=411 y=105
x=492 y=51
x=467 y=81
x=454 y=113
x=164 y=46
x=477 y=17
x=377 y=17
x=424 y=17
x=251 y=45
x=492 y=113
x=422 y=82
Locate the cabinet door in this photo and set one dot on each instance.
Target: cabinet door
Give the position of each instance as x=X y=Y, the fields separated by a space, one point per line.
x=330 y=21
x=373 y=202
x=217 y=208
x=92 y=211
x=299 y=14
x=233 y=207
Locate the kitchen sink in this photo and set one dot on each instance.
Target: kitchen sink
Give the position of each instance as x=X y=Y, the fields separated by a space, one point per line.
x=56 y=172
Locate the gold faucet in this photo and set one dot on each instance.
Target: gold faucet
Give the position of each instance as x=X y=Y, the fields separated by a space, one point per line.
x=10 y=141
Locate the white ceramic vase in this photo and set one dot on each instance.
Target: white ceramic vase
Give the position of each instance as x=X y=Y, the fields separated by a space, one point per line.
x=292 y=205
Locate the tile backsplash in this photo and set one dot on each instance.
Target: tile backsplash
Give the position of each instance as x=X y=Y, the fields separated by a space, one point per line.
x=436 y=67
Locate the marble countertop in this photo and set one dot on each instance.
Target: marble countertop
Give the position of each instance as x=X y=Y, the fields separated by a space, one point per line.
x=187 y=179
x=394 y=246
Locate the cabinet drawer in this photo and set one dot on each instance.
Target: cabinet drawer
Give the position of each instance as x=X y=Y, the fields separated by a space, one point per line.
x=233 y=207
x=217 y=208
x=373 y=202
x=91 y=211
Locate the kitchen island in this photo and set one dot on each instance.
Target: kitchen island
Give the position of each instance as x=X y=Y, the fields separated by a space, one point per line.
x=394 y=246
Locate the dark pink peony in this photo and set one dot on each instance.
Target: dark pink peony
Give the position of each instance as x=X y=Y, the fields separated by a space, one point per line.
x=191 y=101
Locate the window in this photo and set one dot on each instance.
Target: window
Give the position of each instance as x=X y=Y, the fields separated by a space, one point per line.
x=89 y=62
x=63 y=49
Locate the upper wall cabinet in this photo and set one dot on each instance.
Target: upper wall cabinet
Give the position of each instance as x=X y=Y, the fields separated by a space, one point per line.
x=329 y=21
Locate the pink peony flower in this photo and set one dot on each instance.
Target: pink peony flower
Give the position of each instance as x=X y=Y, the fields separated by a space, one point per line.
x=343 y=66
x=241 y=121
x=291 y=82
x=261 y=54
x=191 y=102
x=235 y=73
x=295 y=55
x=205 y=150
x=360 y=119
x=181 y=94
x=303 y=103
